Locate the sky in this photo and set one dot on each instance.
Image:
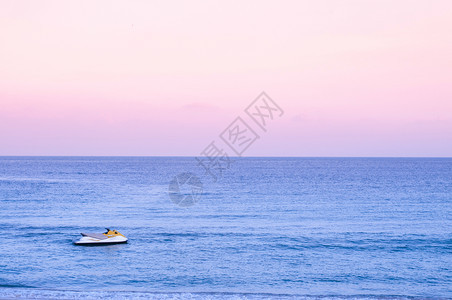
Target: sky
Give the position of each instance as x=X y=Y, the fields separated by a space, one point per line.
x=354 y=78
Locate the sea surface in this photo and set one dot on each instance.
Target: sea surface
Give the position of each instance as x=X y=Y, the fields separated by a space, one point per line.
x=274 y=228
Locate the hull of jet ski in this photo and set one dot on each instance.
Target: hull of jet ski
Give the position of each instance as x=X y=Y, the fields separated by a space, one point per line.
x=87 y=241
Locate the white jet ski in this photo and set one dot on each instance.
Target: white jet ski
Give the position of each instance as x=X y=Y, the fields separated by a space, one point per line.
x=100 y=239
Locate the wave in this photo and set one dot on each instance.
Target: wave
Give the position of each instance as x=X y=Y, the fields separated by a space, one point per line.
x=35 y=180
x=20 y=292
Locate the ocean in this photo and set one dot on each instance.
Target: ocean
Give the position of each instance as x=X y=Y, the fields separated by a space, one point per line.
x=273 y=228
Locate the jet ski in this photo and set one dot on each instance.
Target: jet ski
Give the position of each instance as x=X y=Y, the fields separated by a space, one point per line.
x=110 y=237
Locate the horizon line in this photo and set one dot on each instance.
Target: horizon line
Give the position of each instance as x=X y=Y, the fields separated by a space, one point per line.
x=193 y=156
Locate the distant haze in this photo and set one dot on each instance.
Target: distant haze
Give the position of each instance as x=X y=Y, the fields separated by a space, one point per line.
x=354 y=78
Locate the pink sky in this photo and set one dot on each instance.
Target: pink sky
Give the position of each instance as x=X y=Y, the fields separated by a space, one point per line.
x=355 y=78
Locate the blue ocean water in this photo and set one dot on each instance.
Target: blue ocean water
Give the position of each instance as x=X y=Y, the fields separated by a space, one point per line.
x=279 y=228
